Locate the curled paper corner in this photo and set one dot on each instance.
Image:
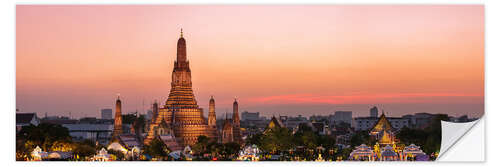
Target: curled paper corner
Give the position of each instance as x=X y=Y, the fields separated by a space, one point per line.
x=452 y=133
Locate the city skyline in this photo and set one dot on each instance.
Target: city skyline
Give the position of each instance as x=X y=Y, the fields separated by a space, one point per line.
x=79 y=57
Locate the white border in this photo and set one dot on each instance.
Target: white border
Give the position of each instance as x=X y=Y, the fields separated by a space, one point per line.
x=7 y=84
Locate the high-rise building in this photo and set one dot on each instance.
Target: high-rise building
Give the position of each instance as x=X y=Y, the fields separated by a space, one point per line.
x=366 y=123
x=107 y=113
x=250 y=116
x=149 y=115
x=181 y=111
x=155 y=111
x=374 y=112
x=341 y=117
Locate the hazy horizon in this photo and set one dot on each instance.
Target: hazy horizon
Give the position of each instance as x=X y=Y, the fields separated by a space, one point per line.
x=276 y=59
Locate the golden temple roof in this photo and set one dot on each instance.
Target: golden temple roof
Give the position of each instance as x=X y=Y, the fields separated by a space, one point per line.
x=382 y=125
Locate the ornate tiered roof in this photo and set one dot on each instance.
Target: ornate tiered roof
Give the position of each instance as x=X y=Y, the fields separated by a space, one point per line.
x=382 y=125
x=275 y=123
x=181 y=110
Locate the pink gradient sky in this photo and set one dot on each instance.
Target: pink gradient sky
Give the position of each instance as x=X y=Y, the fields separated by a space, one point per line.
x=284 y=60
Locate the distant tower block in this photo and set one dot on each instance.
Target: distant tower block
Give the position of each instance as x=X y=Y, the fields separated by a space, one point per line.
x=374 y=112
x=211 y=113
x=118 y=118
x=107 y=113
x=155 y=110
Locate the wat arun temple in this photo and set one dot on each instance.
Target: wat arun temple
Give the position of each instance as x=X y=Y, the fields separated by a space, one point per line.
x=180 y=116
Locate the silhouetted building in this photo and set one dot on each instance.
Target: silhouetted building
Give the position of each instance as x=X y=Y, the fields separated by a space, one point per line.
x=293 y=123
x=341 y=117
x=26 y=119
x=420 y=120
x=86 y=131
x=252 y=116
x=58 y=120
x=374 y=111
x=106 y=113
x=366 y=123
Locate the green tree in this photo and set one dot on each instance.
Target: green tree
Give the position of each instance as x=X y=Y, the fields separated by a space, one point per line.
x=254 y=139
x=231 y=149
x=43 y=135
x=118 y=154
x=327 y=141
x=433 y=142
x=129 y=118
x=412 y=136
x=276 y=140
x=215 y=148
x=156 y=148
x=84 y=150
x=361 y=137
x=344 y=153
x=343 y=125
x=201 y=145
x=429 y=138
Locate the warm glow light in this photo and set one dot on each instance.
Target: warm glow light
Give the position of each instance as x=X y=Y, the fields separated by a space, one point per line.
x=275 y=59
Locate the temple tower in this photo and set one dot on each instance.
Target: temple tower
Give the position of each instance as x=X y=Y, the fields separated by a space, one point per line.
x=181 y=49
x=236 y=123
x=211 y=113
x=236 y=117
x=227 y=131
x=181 y=111
x=118 y=118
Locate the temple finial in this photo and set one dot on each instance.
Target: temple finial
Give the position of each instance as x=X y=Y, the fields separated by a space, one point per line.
x=182 y=34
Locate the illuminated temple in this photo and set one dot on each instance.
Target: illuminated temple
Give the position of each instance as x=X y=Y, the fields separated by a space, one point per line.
x=387 y=147
x=181 y=112
x=382 y=131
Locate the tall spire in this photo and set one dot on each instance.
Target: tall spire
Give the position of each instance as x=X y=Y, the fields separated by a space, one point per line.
x=211 y=112
x=181 y=110
x=117 y=127
x=236 y=117
x=181 y=49
x=236 y=123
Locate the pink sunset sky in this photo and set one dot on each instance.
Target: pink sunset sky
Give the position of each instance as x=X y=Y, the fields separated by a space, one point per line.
x=286 y=60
